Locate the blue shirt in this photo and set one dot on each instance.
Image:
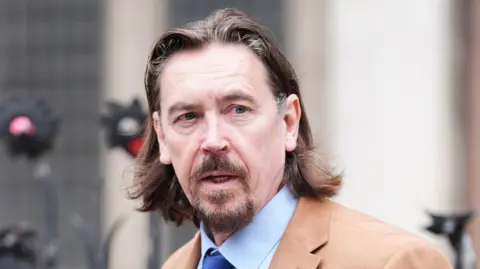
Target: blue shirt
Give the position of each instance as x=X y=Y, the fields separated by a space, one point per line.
x=253 y=246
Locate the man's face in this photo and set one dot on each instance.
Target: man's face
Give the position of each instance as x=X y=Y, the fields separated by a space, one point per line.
x=223 y=131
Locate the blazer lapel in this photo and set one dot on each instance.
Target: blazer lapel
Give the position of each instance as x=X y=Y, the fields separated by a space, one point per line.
x=190 y=255
x=305 y=234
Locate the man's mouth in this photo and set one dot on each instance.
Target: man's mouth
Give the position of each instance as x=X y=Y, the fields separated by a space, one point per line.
x=218 y=177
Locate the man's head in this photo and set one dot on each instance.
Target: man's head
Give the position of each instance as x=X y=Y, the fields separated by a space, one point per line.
x=226 y=127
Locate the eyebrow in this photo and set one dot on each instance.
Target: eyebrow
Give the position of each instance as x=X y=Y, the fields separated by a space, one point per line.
x=181 y=106
x=235 y=95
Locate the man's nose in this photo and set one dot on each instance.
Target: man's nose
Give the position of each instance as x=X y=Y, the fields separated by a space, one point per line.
x=215 y=142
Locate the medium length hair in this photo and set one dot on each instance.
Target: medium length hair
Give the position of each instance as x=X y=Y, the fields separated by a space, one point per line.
x=306 y=174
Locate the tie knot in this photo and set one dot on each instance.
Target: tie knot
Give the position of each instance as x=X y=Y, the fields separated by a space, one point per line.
x=214 y=260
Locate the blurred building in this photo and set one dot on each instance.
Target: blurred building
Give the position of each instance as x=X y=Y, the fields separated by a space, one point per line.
x=52 y=49
x=389 y=87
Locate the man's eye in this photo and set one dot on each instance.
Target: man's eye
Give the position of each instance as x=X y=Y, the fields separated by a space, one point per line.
x=239 y=109
x=187 y=117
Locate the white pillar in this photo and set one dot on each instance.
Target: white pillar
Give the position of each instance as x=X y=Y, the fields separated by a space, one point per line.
x=130 y=30
x=390 y=76
x=305 y=31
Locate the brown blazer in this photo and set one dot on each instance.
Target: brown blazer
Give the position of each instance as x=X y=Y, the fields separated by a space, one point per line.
x=323 y=234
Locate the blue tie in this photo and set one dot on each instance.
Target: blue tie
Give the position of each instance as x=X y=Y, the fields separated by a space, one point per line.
x=215 y=261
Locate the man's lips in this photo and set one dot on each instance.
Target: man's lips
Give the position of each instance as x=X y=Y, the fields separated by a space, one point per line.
x=218 y=176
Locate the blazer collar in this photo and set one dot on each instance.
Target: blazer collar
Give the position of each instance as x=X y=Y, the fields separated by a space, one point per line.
x=306 y=232
x=189 y=256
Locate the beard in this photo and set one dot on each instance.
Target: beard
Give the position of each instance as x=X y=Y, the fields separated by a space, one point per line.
x=224 y=210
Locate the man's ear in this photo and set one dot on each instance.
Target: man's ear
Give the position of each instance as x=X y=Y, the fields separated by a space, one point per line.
x=292 y=116
x=164 y=154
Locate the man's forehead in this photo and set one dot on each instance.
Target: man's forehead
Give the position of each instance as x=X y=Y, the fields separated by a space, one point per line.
x=214 y=58
x=212 y=68
x=219 y=79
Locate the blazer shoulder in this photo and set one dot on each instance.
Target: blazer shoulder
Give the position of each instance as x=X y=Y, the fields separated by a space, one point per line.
x=418 y=255
x=344 y=219
x=357 y=235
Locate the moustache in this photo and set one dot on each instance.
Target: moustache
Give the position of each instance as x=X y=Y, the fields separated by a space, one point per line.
x=218 y=163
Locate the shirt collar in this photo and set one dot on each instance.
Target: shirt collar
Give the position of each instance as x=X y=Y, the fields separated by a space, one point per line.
x=248 y=247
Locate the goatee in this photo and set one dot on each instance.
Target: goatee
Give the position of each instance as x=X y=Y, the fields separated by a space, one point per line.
x=221 y=211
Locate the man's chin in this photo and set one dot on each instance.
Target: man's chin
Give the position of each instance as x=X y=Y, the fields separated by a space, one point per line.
x=219 y=206
x=219 y=197
x=225 y=217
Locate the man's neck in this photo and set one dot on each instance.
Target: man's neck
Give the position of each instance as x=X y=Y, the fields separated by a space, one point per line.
x=218 y=237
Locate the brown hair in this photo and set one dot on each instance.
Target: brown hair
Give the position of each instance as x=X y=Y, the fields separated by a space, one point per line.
x=156 y=184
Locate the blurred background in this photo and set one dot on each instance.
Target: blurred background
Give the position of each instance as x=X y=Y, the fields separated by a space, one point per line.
x=391 y=88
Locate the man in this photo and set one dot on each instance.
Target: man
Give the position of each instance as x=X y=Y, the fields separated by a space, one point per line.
x=229 y=147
